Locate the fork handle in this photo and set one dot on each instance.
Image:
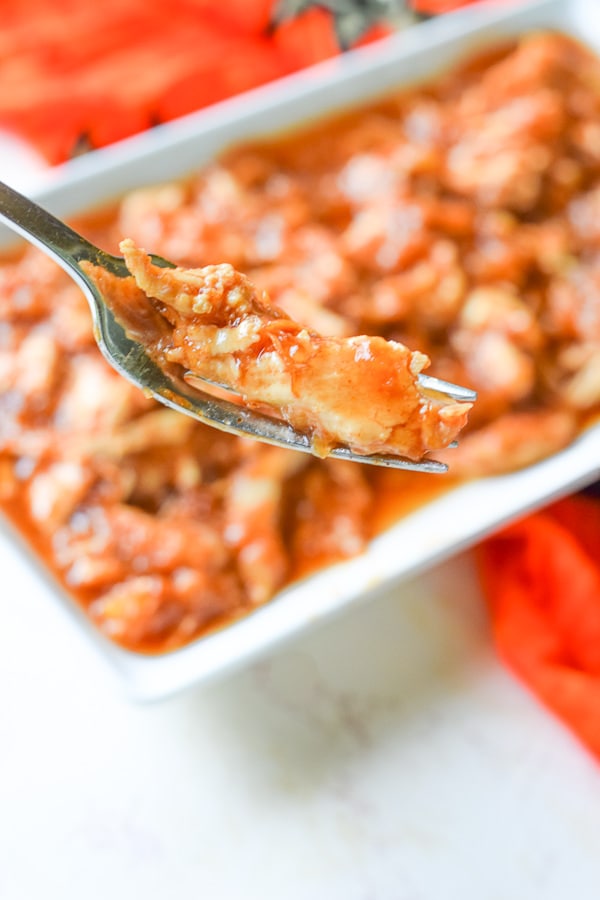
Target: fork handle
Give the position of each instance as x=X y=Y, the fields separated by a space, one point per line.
x=51 y=235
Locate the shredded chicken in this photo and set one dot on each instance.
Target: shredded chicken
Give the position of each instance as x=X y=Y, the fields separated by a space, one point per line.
x=361 y=392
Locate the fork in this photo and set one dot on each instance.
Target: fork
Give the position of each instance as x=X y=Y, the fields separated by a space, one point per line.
x=69 y=249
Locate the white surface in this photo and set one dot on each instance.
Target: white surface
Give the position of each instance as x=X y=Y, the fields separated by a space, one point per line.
x=385 y=756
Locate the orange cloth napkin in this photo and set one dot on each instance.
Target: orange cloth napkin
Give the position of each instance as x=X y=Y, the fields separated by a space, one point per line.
x=541 y=577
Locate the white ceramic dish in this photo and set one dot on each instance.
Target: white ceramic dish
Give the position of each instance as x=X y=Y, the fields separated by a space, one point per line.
x=442 y=527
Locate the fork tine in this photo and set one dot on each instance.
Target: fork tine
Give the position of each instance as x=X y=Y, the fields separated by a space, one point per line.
x=427 y=382
x=229 y=416
x=455 y=391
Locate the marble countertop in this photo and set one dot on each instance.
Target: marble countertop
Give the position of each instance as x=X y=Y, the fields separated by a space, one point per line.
x=385 y=756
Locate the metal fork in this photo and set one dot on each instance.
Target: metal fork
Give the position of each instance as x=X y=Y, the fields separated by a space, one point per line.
x=129 y=358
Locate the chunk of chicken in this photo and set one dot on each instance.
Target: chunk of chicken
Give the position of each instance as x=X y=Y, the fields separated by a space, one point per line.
x=362 y=392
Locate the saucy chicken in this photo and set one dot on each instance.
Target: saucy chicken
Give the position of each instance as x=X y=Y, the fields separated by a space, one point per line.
x=460 y=219
x=361 y=392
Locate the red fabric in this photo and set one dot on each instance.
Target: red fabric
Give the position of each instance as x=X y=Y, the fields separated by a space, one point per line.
x=541 y=577
x=75 y=75
x=75 y=72
x=309 y=38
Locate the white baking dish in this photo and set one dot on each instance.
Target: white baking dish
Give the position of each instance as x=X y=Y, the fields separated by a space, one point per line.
x=438 y=529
